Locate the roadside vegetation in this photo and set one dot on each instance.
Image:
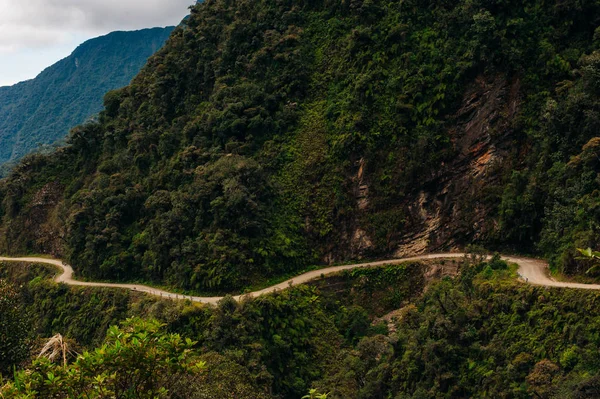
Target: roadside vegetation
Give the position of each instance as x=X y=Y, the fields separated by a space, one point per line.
x=481 y=333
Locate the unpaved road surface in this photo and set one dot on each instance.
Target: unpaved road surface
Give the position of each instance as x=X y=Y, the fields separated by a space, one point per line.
x=532 y=271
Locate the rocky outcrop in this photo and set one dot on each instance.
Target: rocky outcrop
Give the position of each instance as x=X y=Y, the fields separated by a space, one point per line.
x=42 y=221
x=452 y=207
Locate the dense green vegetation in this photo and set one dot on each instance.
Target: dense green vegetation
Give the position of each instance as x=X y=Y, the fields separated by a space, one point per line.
x=281 y=342
x=479 y=337
x=41 y=111
x=137 y=361
x=14 y=328
x=481 y=334
x=238 y=153
x=270 y=135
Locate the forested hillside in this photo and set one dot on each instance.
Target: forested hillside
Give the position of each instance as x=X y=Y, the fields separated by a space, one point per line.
x=41 y=111
x=480 y=334
x=271 y=134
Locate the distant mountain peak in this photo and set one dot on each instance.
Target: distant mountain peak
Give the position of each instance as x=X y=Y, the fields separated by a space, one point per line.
x=41 y=111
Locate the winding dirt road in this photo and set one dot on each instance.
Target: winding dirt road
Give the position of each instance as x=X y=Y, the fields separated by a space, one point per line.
x=532 y=271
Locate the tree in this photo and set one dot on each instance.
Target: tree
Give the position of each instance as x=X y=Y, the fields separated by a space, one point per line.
x=14 y=329
x=542 y=378
x=314 y=394
x=138 y=360
x=592 y=256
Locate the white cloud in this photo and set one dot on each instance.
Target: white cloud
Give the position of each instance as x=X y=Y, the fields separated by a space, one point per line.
x=36 y=33
x=40 y=23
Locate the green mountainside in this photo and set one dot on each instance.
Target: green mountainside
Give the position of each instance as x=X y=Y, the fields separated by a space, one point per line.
x=41 y=111
x=267 y=136
x=271 y=136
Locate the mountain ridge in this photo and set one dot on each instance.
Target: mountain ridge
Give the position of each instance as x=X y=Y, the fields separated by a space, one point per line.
x=43 y=109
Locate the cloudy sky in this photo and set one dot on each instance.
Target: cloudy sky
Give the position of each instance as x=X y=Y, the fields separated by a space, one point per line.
x=34 y=34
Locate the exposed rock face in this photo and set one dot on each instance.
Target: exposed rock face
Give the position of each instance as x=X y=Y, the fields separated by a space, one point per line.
x=40 y=223
x=362 y=192
x=360 y=242
x=452 y=208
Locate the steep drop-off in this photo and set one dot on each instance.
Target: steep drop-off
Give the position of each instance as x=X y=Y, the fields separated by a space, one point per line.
x=268 y=135
x=41 y=111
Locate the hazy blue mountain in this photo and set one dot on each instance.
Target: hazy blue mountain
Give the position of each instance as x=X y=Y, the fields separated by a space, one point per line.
x=42 y=110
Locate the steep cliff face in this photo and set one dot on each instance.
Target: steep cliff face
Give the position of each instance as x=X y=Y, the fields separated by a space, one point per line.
x=42 y=220
x=270 y=135
x=454 y=206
